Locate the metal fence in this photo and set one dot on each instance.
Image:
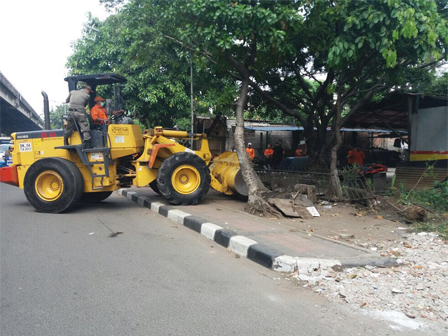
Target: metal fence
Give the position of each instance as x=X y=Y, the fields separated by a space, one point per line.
x=285 y=180
x=355 y=189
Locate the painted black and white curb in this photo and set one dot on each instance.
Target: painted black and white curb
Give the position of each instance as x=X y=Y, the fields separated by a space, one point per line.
x=241 y=245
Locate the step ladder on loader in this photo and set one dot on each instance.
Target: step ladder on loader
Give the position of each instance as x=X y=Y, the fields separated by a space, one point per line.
x=99 y=144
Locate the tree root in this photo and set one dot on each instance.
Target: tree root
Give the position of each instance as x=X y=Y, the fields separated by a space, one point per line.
x=258 y=206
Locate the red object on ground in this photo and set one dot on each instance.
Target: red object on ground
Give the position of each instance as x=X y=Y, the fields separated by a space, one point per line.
x=372 y=169
x=9 y=175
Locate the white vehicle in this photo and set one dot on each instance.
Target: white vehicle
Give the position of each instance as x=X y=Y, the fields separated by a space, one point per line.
x=4 y=153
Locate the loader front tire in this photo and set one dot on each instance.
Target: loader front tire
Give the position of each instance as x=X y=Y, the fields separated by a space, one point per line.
x=95 y=197
x=53 y=185
x=183 y=178
x=155 y=187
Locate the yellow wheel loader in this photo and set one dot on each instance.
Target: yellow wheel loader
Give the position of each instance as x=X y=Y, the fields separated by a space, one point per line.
x=56 y=176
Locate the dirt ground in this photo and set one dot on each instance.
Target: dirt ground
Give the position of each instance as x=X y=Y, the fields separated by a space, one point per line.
x=351 y=223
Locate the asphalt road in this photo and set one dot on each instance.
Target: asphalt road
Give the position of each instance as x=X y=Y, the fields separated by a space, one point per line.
x=157 y=278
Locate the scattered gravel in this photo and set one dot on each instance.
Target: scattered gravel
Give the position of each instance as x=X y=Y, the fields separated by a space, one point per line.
x=417 y=286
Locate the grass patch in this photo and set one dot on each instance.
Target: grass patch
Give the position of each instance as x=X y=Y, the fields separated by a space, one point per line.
x=434 y=225
x=434 y=200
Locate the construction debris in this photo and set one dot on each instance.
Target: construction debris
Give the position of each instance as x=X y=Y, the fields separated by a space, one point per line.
x=287 y=207
x=417 y=286
x=300 y=203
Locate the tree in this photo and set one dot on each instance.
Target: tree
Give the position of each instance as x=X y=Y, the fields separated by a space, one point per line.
x=352 y=50
x=56 y=114
x=158 y=86
x=319 y=61
x=228 y=36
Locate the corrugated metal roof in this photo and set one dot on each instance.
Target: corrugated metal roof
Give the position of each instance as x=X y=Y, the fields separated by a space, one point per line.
x=274 y=128
x=300 y=128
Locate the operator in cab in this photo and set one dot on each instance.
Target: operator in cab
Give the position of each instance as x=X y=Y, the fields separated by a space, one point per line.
x=99 y=112
x=78 y=100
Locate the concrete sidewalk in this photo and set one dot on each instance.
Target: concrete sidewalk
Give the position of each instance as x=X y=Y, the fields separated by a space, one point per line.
x=263 y=240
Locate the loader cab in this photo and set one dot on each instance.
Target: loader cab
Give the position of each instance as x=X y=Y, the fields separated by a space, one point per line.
x=95 y=80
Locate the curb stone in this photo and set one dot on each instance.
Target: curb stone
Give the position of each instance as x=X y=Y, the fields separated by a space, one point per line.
x=241 y=245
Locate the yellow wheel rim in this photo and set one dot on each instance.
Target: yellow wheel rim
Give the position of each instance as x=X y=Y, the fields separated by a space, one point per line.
x=49 y=185
x=185 y=179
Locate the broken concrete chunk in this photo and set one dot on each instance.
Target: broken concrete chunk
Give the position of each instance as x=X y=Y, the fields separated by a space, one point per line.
x=288 y=209
x=304 y=201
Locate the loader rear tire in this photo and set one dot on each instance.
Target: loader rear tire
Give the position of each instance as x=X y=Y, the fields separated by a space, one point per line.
x=53 y=185
x=184 y=178
x=95 y=197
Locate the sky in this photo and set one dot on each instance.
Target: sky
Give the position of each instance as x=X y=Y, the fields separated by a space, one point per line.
x=35 y=39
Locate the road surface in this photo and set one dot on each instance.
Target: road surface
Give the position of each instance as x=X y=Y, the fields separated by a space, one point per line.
x=63 y=275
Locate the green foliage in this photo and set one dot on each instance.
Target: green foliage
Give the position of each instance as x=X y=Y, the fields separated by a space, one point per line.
x=390 y=28
x=158 y=86
x=299 y=55
x=435 y=198
x=438 y=86
x=56 y=116
x=350 y=178
x=439 y=225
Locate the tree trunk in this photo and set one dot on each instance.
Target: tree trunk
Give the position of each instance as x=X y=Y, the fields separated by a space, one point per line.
x=320 y=156
x=335 y=188
x=256 y=203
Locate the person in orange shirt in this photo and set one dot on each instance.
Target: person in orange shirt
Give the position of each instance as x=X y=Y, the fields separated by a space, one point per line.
x=301 y=149
x=298 y=151
x=250 y=151
x=351 y=156
x=99 y=112
x=355 y=156
x=268 y=154
x=359 y=157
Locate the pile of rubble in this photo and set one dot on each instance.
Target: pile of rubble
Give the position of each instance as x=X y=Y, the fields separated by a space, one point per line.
x=417 y=285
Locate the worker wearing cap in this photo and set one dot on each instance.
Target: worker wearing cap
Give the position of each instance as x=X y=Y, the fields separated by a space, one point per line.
x=78 y=100
x=250 y=151
x=99 y=112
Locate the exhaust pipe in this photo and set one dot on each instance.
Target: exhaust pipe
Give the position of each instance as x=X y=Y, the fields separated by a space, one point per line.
x=46 y=111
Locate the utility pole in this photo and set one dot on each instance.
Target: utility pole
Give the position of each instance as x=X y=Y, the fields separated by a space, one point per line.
x=191 y=100
x=191 y=96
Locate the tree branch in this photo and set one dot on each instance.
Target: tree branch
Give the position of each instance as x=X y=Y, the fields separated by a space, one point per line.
x=431 y=63
x=359 y=105
x=362 y=91
x=203 y=52
x=303 y=83
x=278 y=104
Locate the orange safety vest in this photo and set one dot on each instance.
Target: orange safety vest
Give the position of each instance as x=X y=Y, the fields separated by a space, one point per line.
x=268 y=153
x=251 y=152
x=98 y=112
x=359 y=157
x=351 y=157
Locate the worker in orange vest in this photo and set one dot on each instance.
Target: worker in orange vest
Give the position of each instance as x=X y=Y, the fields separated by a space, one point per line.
x=359 y=156
x=268 y=153
x=99 y=112
x=351 y=156
x=250 y=151
x=355 y=156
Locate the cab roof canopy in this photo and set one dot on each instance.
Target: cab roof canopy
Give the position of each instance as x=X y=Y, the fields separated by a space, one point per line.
x=94 y=80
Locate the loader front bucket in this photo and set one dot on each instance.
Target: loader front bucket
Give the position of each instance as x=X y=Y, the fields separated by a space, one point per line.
x=226 y=170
